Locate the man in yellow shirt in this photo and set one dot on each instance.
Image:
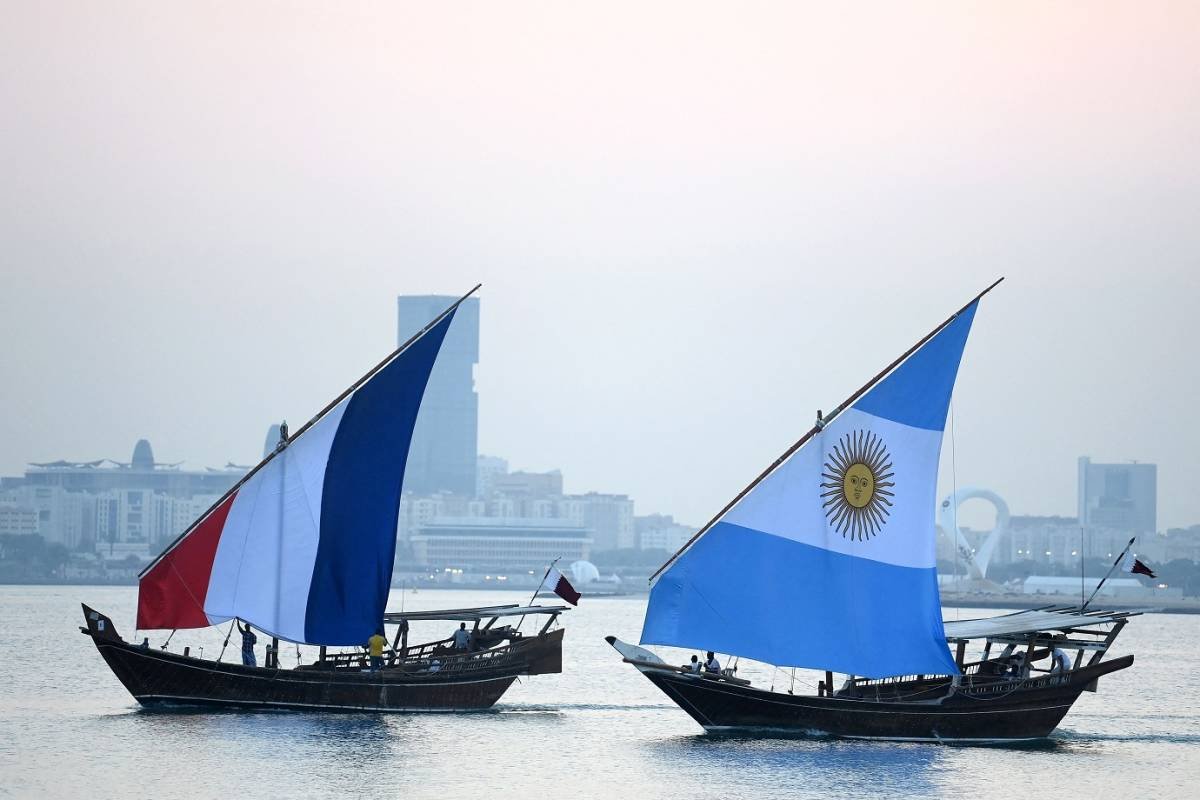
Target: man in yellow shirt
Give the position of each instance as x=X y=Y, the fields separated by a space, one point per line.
x=375 y=645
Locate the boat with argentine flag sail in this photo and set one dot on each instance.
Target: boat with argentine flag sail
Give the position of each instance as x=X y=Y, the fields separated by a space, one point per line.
x=837 y=537
x=301 y=550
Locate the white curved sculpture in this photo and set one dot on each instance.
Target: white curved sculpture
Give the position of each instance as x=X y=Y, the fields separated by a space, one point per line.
x=583 y=573
x=977 y=563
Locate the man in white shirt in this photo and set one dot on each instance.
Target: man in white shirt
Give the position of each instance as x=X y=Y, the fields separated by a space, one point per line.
x=712 y=666
x=1060 y=661
x=462 y=637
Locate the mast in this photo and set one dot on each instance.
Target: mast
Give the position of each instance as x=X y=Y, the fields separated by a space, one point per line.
x=821 y=423
x=316 y=418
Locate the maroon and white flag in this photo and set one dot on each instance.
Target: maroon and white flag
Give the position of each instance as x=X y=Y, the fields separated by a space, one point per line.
x=557 y=582
x=1134 y=566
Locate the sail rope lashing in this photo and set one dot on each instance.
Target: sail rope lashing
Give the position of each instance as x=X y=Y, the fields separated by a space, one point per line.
x=168 y=641
x=228 y=633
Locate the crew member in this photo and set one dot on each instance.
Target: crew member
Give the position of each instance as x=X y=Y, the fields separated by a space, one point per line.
x=462 y=637
x=694 y=666
x=248 y=642
x=375 y=645
x=711 y=665
x=1059 y=660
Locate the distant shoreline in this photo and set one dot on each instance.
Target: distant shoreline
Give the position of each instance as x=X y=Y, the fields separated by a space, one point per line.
x=948 y=600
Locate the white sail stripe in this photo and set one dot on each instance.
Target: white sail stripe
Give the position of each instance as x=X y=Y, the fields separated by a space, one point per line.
x=788 y=503
x=269 y=543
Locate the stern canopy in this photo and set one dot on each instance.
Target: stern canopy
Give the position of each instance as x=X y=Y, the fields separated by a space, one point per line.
x=303 y=548
x=829 y=562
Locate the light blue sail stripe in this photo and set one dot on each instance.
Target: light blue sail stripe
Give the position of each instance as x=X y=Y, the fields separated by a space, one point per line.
x=785 y=616
x=918 y=392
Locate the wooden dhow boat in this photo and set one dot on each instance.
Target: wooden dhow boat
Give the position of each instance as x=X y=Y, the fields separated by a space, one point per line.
x=302 y=549
x=434 y=676
x=827 y=561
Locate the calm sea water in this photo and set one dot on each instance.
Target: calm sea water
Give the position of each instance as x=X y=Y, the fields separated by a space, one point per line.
x=69 y=729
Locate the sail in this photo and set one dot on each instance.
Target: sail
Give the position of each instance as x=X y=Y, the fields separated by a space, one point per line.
x=303 y=549
x=829 y=562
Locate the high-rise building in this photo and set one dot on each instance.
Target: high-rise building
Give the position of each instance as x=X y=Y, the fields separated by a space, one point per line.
x=1119 y=496
x=445 y=444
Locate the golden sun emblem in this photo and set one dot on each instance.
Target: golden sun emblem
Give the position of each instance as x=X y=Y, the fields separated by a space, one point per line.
x=857 y=486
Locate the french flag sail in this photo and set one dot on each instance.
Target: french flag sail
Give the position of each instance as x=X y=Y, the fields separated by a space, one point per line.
x=303 y=548
x=829 y=561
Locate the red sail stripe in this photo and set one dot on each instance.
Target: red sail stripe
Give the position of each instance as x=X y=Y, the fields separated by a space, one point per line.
x=172 y=593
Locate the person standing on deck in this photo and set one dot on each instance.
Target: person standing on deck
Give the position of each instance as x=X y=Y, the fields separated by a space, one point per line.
x=462 y=637
x=248 y=642
x=375 y=645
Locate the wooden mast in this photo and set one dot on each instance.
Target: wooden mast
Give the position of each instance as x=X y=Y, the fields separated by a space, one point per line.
x=817 y=428
x=285 y=444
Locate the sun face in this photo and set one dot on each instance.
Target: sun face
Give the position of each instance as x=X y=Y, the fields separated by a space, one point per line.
x=856 y=492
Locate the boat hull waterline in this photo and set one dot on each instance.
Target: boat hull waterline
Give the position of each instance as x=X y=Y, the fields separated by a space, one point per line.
x=160 y=679
x=1025 y=712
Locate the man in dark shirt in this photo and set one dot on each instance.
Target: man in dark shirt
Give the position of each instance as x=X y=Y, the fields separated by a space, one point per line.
x=248 y=642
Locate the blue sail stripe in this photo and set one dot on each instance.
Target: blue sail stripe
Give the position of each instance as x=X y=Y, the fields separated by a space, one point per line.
x=917 y=393
x=361 y=497
x=744 y=592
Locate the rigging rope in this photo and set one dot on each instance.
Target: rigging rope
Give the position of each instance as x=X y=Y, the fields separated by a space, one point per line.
x=228 y=633
x=954 y=503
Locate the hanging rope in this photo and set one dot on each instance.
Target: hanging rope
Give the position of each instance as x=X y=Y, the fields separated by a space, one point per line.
x=954 y=503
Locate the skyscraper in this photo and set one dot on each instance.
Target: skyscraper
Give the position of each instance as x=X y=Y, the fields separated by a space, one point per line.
x=1119 y=496
x=445 y=443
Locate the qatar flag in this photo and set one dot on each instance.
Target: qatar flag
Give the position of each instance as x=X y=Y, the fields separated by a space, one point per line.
x=1134 y=566
x=556 y=582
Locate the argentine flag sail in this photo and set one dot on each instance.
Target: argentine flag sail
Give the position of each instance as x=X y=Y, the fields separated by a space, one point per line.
x=303 y=548
x=829 y=562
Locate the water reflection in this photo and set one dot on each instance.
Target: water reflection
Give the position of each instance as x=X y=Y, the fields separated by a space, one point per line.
x=812 y=766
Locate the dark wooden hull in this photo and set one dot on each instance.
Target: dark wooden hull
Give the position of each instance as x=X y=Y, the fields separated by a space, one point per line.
x=998 y=714
x=161 y=679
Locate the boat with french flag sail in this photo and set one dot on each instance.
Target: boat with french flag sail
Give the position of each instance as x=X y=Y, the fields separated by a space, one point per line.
x=827 y=561
x=301 y=550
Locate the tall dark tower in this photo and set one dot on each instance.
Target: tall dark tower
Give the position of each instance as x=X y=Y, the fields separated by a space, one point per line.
x=445 y=443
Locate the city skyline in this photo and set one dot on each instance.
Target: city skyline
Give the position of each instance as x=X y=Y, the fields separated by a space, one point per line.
x=674 y=287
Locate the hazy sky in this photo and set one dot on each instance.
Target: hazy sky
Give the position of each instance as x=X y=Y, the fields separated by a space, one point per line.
x=695 y=224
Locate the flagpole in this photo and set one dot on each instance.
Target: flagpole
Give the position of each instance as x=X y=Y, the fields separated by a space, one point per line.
x=316 y=418
x=543 y=580
x=821 y=423
x=538 y=588
x=1110 y=571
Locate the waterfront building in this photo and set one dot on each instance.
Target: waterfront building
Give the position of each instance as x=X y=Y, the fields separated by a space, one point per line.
x=608 y=516
x=18 y=520
x=486 y=470
x=661 y=532
x=139 y=503
x=482 y=543
x=140 y=472
x=443 y=455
